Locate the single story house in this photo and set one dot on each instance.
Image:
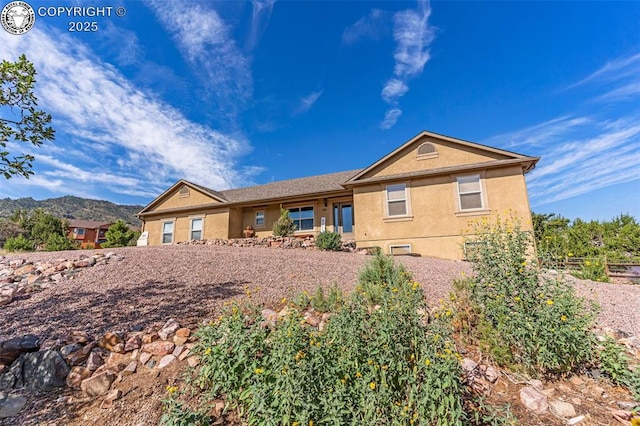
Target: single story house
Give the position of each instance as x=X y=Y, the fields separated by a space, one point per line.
x=88 y=232
x=417 y=199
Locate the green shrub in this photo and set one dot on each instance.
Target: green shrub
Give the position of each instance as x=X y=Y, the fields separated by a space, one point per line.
x=322 y=303
x=524 y=320
x=329 y=241
x=370 y=365
x=592 y=269
x=284 y=226
x=19 y=243
x=56 y=242
x=615 y=363
x=118 y=235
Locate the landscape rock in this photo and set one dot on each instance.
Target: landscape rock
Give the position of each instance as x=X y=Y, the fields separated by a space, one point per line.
x=94 y=361
x=11 y=349
x=11 y=405
x=113 y=395
x=159 y=347
x=575 y=420
x=193 y=361
x=133 y=343
x=269 y=317
x=76 y=376
x=537 y=384
x=109 y=342
x=130 y=369
x=166 y=360
x=534 y=400
x=98 y=384
x=311 y=319
x=6 y=295
x=491 y=374
x=562 y=409
x=144 y=357
x=170 y=327
x=41 y=370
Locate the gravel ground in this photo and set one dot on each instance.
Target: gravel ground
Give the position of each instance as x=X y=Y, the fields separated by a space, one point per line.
x=191 y=283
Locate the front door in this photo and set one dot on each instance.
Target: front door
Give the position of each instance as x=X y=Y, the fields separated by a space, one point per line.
x=343 y=218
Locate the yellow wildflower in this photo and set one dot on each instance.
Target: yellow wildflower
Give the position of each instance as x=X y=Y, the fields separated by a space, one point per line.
x=570 y=254
x=358 y=374
x=563 y=318
x=171 y=389
x=284 y=301
x=370 y=362
x=372 y=385
x=427 y=362
x=295 y=424
x=635 y=421
x=448 y=313
x=385 y=367
x=311 y=423
x=258 y=371
x=587 y=263
x=394 y=289
x=300 y=355
x=517 y=299
x=549 y=302
x=415 y=285
x=208 y=351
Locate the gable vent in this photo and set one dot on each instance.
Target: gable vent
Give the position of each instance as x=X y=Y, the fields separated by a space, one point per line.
x=426 y=150
x=184 y=191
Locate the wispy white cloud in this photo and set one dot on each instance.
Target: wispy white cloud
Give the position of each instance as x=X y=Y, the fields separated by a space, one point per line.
x=546 y=133
x=123 y=44
x=391 y=118
x=261 y=13
x=579 y=155
x=413 y=36
x=371 y=26
x=307 y=102
x=143 y=143
x=206 y=43
x=627 y=91
x=615 y=69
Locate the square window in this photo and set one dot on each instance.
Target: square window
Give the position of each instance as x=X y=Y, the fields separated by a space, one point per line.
x=302 y=218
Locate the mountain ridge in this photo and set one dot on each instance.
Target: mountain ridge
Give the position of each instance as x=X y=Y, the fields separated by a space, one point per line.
x=72 y=207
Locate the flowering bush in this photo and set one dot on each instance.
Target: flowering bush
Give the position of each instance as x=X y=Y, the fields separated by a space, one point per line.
x=523 y=320
x=372 y=364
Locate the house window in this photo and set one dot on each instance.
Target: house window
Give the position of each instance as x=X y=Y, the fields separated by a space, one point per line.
x=184 y=191
x=397 y=200
x=196 y=229
x=260 y=218
x=302 y=217
x=167 y=232
x=470 y=192
x=78 y=231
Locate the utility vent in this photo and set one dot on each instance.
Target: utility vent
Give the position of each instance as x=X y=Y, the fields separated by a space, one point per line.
x=399 y=250
x=427 y=150
x=184 y=191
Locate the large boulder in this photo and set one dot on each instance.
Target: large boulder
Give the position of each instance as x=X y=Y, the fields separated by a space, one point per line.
x=11 y=349
x=42 y=370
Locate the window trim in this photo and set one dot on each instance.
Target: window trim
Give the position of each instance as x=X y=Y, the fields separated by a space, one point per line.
x=264 y=219
x=484 y=209
x=173 y=231
x=300 y=207
x=429 y=155
x=79 y=231
x=201 y=219
x=407 y=200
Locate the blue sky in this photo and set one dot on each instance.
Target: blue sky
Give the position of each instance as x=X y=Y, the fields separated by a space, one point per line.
x=230 y=94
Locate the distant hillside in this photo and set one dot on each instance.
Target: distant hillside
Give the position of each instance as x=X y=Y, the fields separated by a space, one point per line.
x=74 y=208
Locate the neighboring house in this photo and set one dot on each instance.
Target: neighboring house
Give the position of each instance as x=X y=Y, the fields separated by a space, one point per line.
x=417 y=199
x=88 y=232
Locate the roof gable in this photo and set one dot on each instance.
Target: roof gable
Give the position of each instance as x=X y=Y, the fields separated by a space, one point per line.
x=171 y=198
x=429 y=152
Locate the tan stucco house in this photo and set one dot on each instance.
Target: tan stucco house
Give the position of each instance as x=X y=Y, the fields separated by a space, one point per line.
x=418 y=199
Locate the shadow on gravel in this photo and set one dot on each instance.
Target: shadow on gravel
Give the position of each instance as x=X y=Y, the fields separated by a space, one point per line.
x=143 y=304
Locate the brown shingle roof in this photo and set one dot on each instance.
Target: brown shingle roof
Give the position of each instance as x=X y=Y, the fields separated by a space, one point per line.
x=289 y=188
x=88 y=224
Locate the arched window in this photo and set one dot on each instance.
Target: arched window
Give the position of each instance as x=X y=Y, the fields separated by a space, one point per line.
x=427 y=150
